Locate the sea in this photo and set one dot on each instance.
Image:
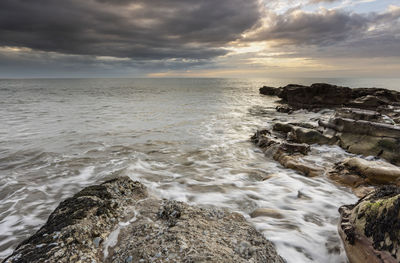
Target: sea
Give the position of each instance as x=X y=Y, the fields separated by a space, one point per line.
x=185 y=139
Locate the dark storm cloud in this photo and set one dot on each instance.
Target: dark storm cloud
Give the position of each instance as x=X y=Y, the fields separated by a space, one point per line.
x=137 y=29
x=50 y=64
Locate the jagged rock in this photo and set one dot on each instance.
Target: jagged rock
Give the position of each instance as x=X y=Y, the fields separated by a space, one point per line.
x=362 y=127
x=271 y=91
x=370 y=229
x=117 y=221
x=295 y=162
x=361 y=175
x=288 y=154
x=318 y=95
x=322 y=95
x=366 y=137
x=389 y=95
x=75 y=229
x=284 y=109
x=303 y=133
x=369 y=102
x=362 y=114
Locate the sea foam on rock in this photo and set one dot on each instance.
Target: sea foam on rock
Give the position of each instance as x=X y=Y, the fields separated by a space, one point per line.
x=118 y=221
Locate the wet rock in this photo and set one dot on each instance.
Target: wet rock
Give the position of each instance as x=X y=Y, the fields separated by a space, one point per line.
x=118 y=221
x=370 y=229
x=384 y=94
x=362 y=127
x=288 y=154
x=296 y=162
x=319 y=95
x=304 y=133
x=177 y=232
x=80 y=223
x=373 y=172
x=284 y=109
x=361 y=114
x=366 y=137
x=271 y=91
x=368 y=102
x=267 y=213
x=322 y=95
x=361 y=175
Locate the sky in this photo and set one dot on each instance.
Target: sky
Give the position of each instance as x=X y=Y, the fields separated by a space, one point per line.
x=199 y=38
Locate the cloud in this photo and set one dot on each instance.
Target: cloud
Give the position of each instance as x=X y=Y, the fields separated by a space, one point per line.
x=139 y=37
x=322 y=1
x=138 y=29
x=333 y=31
x=324 y=27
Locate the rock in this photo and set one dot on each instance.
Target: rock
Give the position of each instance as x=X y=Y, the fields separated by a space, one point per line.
x=360 y=174
x=79 y=223
x=376 y=172
x=322 y=95
x=362 y=127
x=176 y=232
x=360 y=114
x=369 y=101
x=288 y=154
x=319 y=95
x=118 y=221
x=370 y=229
x=363 y=191
x=284 y=109
x=283 y=127
x=303 y=133
x=296 y=163
x=270 y=91
x=385 y=94
x=267 y=213
x=293 y=148
x=366 y=137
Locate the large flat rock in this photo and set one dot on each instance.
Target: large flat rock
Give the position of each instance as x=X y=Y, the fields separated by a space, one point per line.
x=118 y=221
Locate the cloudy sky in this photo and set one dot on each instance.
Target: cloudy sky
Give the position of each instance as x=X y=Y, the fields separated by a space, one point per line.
x=199 y=38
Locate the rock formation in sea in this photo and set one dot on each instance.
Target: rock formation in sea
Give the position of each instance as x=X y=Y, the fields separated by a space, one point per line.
x=119 y=221
x=365 y=123
x=322 y=95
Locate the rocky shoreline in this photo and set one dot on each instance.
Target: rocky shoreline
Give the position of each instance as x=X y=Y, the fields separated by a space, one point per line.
x=364 y=123
x=119 y=221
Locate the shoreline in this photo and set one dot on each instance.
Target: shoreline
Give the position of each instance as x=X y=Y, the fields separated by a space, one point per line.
x=298 y=131
x=365 y=123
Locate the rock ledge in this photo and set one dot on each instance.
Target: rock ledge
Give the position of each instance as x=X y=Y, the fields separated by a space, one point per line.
x=118 y=221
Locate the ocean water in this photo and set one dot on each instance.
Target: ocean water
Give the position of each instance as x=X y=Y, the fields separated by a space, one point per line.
x=185 y=139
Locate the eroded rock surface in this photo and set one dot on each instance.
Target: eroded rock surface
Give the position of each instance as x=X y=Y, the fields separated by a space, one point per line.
x=365 y=122
x=366 y=137
x=361 y=174
x=370 y=229
x=288 y=153
x=322 y=95
x=118 y=221
x=318 y=95
x=271 y=91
